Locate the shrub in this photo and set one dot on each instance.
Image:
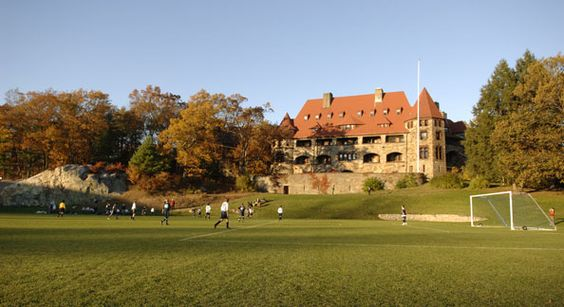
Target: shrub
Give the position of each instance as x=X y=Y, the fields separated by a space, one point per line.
x=372 y=184
x=115 y=167
x=97 y=167
x=407 y=181
x=244 y=183
x=479 y=183
x=448 y=181
x=162 y=181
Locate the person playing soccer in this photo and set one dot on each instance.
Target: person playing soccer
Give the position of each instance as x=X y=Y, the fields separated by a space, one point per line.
x=133 y=208
x=62 y=207
x=224 y=213
x=552 y=215
x=166 y=212
x=208 y=211
x=241 y=213
x=403 y=215
x=280 y=212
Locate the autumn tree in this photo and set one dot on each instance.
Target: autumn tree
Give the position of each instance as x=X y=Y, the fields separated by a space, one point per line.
x=529 y=140
x=154 y=108
x=194 y=135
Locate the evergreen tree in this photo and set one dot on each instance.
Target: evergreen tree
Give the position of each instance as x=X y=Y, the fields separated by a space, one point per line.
x=147 y=160
x=497 y=102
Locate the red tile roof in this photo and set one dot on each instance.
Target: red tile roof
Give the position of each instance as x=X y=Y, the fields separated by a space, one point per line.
x=367 y=116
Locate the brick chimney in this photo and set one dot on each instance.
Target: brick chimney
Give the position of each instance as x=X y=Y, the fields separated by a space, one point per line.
x=327 y=100
x=378 y=95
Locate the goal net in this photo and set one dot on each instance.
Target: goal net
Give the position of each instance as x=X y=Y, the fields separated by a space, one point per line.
x=508 y=209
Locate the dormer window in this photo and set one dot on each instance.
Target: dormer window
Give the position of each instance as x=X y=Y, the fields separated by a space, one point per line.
x=342 y=114
x=330 y=115
x=306 y=117
x=360 y=113
x=372 y=113
x=398 y=111
x=386 y=111
x=318 y=116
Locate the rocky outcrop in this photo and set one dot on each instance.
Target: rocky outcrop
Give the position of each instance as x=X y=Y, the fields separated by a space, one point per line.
x=75 y=184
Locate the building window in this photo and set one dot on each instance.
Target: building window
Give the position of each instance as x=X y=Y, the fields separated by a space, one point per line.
x=279 y=157
x=324 y=142
x=439 y=152
x=394 y=138
x=386 y=111
x=347 y=141
x=323 y=159
x=360 y=113
x=393 y=157
x=438 y=135
x=347 y=127
x=371 y=140
x=398 y=111
x=306 y=117
x=342 y=114
x=371 y=158
x=302 y=160
x=318 y=116
x=330 y=115
x=372 y=113
x=423 y=135
x=303 y=143
x=424 y=153
x=346 y=156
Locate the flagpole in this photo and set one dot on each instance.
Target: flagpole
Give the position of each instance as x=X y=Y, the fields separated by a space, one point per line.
x=418 y=120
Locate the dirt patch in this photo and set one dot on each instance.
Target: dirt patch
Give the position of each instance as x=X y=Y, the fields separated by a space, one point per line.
x=429 y=218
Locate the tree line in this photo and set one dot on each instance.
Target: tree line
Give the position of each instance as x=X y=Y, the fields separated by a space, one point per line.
x=210 y=138
x=516 y=135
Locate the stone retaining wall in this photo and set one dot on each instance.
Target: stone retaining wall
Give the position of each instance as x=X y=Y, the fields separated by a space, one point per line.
x=323 y=183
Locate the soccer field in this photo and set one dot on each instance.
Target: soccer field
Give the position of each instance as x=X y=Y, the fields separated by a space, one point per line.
x=88 y=260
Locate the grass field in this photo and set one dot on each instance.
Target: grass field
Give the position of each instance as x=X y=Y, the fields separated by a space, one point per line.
x=88 y=260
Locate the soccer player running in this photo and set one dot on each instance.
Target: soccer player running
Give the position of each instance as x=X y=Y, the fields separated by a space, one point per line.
x=61 y=209
x=224 y=213
x=208 y=211
x=403 y=216
x=166 y=212
x=133 y=208
x=280 y=212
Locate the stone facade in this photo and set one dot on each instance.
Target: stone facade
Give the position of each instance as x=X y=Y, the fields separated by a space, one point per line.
x=361 y=134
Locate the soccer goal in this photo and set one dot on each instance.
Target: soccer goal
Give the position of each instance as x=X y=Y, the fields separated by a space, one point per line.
x=508 y=209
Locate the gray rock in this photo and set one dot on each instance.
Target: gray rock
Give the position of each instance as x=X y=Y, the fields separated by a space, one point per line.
x=73 y=183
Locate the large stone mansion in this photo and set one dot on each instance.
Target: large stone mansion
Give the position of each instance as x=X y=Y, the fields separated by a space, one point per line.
x=373 y=133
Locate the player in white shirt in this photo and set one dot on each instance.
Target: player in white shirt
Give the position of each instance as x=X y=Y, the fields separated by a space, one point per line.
x=403 y=215
x=280 y=211
x=208 y=211
x=224 y=213
x=133 y=208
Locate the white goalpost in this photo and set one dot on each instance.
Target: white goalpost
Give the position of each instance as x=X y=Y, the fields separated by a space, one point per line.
x=508 y=210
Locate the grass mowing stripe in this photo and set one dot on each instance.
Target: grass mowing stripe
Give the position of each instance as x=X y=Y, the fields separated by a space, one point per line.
x=230 y=230
x=384 y=245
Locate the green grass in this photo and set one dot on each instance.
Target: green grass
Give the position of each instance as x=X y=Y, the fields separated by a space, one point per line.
x=420 y=200
x=88 y=260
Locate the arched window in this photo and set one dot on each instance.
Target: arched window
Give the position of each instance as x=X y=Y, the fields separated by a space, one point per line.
x=323 y=159
x=302 y=160
x=279 y=156
x=371 y=158
x=393 y=157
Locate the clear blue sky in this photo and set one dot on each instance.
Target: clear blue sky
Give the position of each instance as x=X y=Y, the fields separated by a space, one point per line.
x=283 y=52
